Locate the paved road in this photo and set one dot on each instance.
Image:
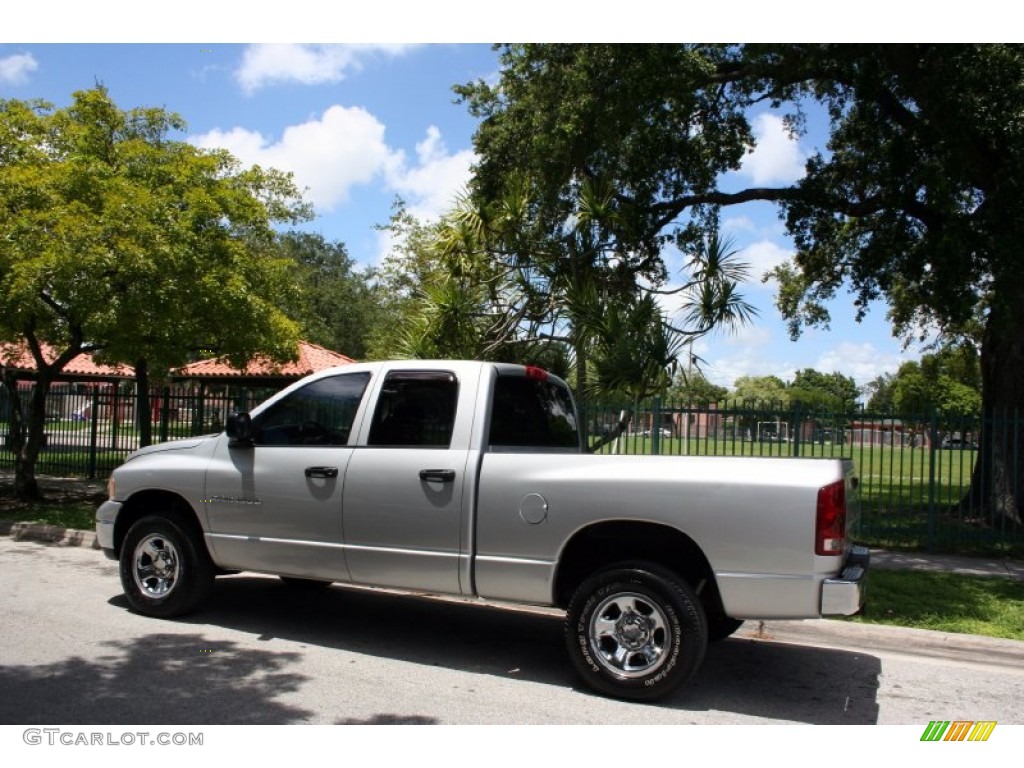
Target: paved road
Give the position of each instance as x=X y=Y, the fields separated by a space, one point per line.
x=72 y=653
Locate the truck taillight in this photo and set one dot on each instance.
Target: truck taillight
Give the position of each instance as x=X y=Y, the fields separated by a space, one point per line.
x=535 y=373
x=830 y=528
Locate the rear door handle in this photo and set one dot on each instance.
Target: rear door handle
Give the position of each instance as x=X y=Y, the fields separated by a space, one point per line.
x=437 y=475
x=321 y=471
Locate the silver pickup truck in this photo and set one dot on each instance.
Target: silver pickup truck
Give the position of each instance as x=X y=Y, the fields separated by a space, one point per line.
x=468 y=478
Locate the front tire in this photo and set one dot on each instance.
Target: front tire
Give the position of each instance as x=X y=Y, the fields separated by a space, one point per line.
x=635 y=631
x=165 y=571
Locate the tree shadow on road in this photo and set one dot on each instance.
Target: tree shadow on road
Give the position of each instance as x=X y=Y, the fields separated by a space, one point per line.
x=160 y=679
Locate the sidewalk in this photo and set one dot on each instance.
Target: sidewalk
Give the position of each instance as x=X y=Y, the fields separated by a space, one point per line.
x=969 y=566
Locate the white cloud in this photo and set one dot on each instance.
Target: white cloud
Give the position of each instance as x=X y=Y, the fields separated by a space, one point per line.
x=432 y=184
x=742 y=224
x=266 y=64
x=344 y=149
x=751 y=361
x=329 y=156
x=777 y=157
x=861 y=361
x=743 y=353
x=14 y=70
x=763 y=257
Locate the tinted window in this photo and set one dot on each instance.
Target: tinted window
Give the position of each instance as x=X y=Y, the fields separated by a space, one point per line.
x=321 y=413
x=415 y=408
x=532 y=414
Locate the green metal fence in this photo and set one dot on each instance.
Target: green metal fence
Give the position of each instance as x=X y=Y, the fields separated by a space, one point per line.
x=90 y=431
x=915 y=470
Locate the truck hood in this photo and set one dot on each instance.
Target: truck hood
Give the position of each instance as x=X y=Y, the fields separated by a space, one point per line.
x=188 y=444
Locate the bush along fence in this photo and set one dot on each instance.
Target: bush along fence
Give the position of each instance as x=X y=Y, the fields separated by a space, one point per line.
x=915 y=470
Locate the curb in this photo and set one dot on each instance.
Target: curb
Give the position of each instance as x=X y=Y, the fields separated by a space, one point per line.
x=885 y=638
x=50 y=534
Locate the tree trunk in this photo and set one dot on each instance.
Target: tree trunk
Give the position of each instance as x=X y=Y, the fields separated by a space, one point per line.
x=625 y=416
x=997 y=483
x=581 y=396
x=27 y=434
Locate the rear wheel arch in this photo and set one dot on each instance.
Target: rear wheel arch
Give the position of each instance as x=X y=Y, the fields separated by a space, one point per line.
x=602 y=544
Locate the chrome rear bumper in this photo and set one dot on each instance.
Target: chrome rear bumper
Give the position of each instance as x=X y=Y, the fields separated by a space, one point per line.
x=844 y=595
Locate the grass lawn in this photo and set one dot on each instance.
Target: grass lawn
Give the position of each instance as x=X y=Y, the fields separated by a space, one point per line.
x=947 y=602
x=77 y=515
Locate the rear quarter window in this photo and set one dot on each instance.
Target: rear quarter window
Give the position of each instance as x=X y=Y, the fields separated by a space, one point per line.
x=527 y=413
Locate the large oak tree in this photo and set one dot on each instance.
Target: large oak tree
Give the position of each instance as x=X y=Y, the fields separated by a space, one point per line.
x=916 y=199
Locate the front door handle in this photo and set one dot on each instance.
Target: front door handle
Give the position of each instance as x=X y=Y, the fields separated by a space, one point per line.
x=437 y=475
x=321 y=471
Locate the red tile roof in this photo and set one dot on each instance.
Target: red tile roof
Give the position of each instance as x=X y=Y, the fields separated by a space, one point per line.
x=311 y=358
x=19 y=357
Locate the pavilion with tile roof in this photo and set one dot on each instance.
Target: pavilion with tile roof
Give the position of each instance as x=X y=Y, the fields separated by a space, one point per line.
x=17 y=358
x=262 y=372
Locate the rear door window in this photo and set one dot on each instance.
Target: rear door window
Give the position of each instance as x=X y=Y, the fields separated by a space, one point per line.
x=415 y=409
x=532 y=413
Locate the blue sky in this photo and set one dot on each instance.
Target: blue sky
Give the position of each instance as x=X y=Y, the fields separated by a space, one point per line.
x=361 y=124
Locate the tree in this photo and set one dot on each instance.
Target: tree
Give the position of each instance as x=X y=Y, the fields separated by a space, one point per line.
x=335 y=305
x=832 y=391
x=761 y=391
x=117 y=239
x=590 y=254
x=944 y=383
x=880 y=393
x=443 y=295
x=917 y=201
x=691 y=387
x=493 y=281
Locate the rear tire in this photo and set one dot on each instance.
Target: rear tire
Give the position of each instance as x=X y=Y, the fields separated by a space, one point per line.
x=722 y=627
x=635 y=631
x=165 y=571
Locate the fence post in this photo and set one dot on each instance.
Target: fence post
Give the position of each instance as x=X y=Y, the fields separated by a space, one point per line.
x=115 y=418
x=165 y=413
x=656 y=427
x=199 y=420
x=933 y=429
x=93 y=432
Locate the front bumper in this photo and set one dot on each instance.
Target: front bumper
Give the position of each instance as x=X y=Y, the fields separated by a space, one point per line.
x=106 y=516
x=844 y=595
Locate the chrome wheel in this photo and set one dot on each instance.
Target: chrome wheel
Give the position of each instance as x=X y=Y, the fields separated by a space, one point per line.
x=155 y=566
x=629 y=635
x=165 y=568
x=635 y=630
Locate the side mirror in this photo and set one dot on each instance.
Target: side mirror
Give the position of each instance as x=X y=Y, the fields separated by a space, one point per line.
x=240 y=430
